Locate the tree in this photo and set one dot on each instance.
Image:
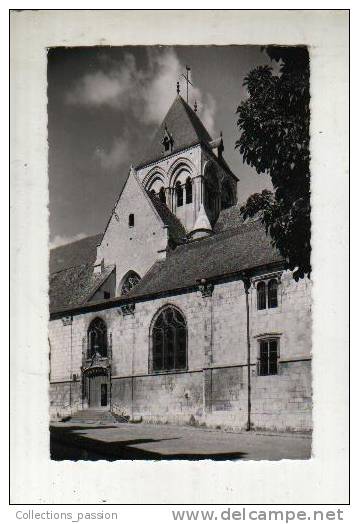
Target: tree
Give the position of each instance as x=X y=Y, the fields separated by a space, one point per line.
x=274 y=126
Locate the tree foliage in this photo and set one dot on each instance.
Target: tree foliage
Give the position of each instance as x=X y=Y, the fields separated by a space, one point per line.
x=274 y=139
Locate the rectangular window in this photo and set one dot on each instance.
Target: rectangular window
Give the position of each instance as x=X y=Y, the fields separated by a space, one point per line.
x=268 y=357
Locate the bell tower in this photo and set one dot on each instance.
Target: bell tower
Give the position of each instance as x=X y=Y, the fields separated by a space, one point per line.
x=185 y=169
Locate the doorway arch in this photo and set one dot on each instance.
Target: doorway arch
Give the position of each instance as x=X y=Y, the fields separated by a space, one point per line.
x=96 y=387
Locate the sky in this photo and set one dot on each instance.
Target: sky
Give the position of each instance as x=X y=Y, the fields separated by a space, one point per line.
x=105 y=104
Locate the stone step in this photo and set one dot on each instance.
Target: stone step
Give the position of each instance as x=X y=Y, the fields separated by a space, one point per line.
x=95 y=416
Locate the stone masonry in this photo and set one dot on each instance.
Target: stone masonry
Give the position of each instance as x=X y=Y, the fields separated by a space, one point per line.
x=213 y=390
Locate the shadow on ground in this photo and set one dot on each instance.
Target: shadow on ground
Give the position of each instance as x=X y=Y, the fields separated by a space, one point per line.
x=65 y=444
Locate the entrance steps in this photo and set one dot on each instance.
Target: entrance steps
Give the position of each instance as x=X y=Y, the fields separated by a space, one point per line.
x=95 y=416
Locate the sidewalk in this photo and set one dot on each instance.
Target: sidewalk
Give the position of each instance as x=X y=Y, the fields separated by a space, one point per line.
x=165 y=442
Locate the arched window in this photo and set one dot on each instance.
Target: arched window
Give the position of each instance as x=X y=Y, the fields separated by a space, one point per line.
x=131 y=220
x=97 y=338
x=272 y=293
x=188 y=187
x=162 y=195
x=130 y=281
x=179 y=194
x=169 y=341
x=261 y=295
x=226 y=195
x=211 y=193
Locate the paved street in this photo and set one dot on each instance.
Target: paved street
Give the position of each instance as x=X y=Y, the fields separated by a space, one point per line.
x=125 y=441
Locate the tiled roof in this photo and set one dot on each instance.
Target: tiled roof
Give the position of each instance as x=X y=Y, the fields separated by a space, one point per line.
x=234 y=246
x=72 y=281
x=75 y=285
x=229 y=218
x=176 y=230
x=184 y=126
x=74 y=254
x=227 y=252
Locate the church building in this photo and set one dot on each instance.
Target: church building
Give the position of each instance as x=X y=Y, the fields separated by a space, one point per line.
x=180 y=312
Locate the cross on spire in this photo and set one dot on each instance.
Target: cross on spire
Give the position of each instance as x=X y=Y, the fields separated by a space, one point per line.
x=188 y=81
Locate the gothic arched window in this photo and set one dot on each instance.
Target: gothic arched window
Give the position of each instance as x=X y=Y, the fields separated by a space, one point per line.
x=272 y=293
x=130 y=281
x=188 y=187
x=179 y=194
x=131 y=220
x=162 y=195
x=261 y=295
x=97 y=338
x=169 y=341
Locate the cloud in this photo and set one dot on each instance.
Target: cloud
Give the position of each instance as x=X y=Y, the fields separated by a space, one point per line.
x=61 y=240
x=146 y=93
x=207 y=112
x=104 y=88
x=115 y=156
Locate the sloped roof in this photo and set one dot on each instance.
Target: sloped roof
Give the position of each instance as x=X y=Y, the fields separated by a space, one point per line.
x=72 y=280
x=184 y=126
x=234 y=246
x=176 y=230
x=74 y=254
x=75 y=285
x=227 y=252
x=230 y=218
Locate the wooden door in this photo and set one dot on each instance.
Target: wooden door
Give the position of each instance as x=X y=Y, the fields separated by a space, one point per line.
x=98 y=391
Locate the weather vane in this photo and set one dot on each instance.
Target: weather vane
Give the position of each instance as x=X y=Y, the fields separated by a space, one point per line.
x=188 y=81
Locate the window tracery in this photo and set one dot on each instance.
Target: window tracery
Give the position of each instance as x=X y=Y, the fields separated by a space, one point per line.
x=97 y=338
x=129 y=282
x=169 y=341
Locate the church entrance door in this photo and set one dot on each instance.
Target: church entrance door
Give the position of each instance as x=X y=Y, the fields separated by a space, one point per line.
x=98 y=391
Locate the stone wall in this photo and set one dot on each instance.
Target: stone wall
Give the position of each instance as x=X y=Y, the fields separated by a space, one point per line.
x=214 y=387
x=170 y=397
x=132 y=248
x=65 y=399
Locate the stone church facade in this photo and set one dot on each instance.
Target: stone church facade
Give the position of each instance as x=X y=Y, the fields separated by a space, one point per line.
x=180 y=312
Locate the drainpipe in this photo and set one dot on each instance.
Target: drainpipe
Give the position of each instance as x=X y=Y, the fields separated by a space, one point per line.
x=71 y=366
x=110 y=372
x=247 y=285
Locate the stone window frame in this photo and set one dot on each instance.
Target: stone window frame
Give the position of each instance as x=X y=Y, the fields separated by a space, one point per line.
x=178 y=175
x=268 y=338
x=266 y=279
x=104 y=350
x=188 y=190
x=126 y=279
x=179 y=192
x=151 y=370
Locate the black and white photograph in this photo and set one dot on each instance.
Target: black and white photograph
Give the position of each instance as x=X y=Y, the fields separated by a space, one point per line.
x=180 y=278
x=179 y=249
